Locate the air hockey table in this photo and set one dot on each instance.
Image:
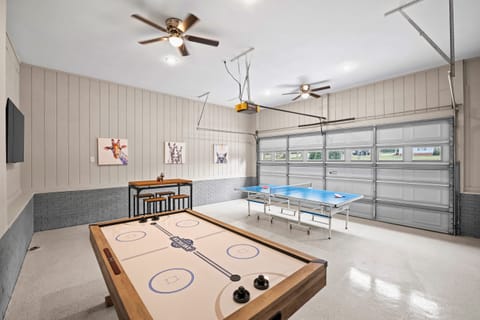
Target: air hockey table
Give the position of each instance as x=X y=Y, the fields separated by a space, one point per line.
x=185 y=265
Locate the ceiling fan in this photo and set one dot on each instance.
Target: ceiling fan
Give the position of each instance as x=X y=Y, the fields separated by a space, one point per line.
x=305 y=90
x=176 y=29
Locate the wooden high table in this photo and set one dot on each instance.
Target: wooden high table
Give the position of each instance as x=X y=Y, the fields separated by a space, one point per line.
x=139 y=186
x=186 y=265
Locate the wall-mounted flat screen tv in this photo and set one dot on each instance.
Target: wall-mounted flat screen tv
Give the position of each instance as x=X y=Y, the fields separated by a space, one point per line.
x=15 y=133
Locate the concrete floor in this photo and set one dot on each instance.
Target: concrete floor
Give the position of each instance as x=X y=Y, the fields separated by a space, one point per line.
x=375 y=271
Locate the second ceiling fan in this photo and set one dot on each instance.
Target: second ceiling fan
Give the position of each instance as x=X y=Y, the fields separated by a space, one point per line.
x=305 y=90
x=176 y=29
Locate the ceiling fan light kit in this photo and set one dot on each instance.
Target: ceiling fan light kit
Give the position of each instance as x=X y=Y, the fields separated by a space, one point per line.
x=175 y=41
x=176 y=29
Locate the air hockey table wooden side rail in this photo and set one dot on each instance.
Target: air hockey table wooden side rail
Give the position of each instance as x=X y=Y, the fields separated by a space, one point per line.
x=278 y=302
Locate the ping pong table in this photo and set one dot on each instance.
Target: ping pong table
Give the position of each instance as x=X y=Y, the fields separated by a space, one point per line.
x=301 y=199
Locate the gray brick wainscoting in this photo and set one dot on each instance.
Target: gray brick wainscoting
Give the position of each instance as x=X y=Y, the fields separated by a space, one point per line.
x=62 y=209
x=470 y=214
x=13 y=247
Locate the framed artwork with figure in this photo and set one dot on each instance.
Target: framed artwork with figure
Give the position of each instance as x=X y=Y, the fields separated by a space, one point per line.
x=112 y=151
x=174 y=152
x=220 y=153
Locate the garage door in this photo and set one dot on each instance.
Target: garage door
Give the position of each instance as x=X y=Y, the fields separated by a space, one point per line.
x=405 y=171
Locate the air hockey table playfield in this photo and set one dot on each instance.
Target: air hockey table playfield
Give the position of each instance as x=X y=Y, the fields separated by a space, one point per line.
x=185 y=265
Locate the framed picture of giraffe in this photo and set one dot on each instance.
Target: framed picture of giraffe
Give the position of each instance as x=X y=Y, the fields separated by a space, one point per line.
x=112 y=151
x=174 y=152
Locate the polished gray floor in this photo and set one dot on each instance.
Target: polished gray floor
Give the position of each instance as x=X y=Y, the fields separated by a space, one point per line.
x=375 y=271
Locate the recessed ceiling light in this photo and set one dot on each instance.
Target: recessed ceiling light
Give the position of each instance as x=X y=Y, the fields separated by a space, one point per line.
x=170 y=60
x=349 y=66
x=268 y=92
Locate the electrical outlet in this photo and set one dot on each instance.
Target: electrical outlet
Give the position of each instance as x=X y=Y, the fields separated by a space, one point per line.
x=92 y=159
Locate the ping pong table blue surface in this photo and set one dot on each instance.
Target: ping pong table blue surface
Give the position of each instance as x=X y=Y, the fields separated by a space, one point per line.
x=304 y=193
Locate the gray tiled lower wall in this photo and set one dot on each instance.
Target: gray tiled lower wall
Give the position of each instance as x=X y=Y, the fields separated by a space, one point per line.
x=62 y=209
x=470 y=215
x=13 y=247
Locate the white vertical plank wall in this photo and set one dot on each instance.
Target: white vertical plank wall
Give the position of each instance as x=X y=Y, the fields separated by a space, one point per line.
x=417 y=93
x=66 y=113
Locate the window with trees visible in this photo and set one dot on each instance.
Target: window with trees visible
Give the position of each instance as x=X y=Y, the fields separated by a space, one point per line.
x=427 y=153
x=314 y=155
x=336 y=155
x=390 y=154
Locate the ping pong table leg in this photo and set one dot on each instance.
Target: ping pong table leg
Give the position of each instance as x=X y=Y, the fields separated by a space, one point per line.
x=248 y=207
x=346 y=220
x=330 y=225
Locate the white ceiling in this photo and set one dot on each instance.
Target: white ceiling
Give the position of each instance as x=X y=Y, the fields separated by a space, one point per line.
x=294 y=40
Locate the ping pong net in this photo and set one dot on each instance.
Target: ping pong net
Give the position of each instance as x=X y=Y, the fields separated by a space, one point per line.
x=272 y=189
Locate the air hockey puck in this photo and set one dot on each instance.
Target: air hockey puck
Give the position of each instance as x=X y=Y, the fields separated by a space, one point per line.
x=241 y=295
x=261 y=283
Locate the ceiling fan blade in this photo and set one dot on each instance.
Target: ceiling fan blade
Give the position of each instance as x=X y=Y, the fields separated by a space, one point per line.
x=188 y=22
x=285 y=85
x=296 y=97
x=150 y=23
x=318 y=82
x=154 y=40
x=321 y=88
x=183 y=50
x=314 y=95
x=208 y=42
x=296 y=92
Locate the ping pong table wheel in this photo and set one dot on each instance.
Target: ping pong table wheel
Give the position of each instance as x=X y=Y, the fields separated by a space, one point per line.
x=261 y=283
x=241 y=295
x=290 y=226
x=308 y=232
x=258 y=217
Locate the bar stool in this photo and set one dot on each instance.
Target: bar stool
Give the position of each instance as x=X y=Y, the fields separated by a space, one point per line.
x=157 y=202
x=179 y=197
x=167 y=194
x=142 y=196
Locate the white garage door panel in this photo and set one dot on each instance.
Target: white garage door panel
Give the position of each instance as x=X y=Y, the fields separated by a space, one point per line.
x=350 y=186
x=414 y=133
x=392 y=214
x=423 y=195
x=432 y=176
x=307 y=171
x=273 y=144
x=306 y=142
x=316 y=183
x=346 y=172
x=280 y=170
x=363 y=210
x=429 y=132
x=278 y=180
x=389 y=135
x=350 y=139
x=426 y=219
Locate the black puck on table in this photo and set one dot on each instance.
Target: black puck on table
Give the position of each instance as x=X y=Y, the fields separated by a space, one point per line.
x=241 y=295
x=261 y=283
